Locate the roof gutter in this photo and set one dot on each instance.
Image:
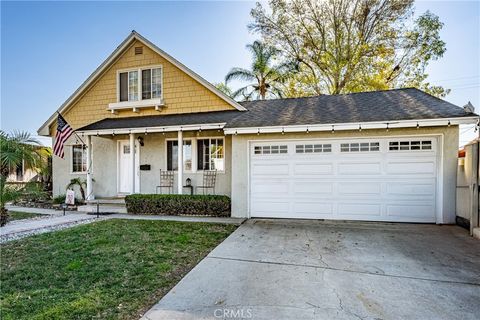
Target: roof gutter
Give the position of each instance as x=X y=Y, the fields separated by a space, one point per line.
x=355 y=126
x=146 y=130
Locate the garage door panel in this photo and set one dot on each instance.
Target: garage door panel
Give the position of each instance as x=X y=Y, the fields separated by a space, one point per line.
x=359 y=168
x=270 y=207
x=410 y=210
x=313 y=208
x=378 y=183
x=411 y=188
x=270 y=169
x=359 y=188
x=312 y=188
x=276 y=186
x=365 y=209
x=411 y=167
x=313 y=169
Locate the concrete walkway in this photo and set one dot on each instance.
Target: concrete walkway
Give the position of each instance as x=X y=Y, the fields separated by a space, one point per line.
x=34 y=210
x=26 y=227
x=55 y=220
x=288 y=269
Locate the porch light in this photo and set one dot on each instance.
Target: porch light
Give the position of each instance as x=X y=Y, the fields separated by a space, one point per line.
x=140 y=141
x=360 y=127
x=199 y=129
x=449 y=123
x=333 y=129
x=387 y=126
x=146 y=131
x=258 y=131
x=418 y=126
x=188 y=182
x=163 y=131
x=283 y=131
x=308 y=130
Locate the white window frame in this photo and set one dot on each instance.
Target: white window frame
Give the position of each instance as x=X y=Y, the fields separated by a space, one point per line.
x=139 y=70
x=140 y=103
x=421 y=149
x=194 y=158
x=195 y=152
x=71 y=158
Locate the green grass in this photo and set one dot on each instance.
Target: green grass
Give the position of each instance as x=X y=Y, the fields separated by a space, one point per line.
x=114 y=269
x=19 y=215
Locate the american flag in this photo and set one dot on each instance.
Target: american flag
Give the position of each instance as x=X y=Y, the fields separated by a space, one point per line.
x=64 y=131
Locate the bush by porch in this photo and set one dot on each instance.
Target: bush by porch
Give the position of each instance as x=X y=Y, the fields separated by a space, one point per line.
x=178 y=204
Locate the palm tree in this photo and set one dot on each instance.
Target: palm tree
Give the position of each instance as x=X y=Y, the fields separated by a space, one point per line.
x=15 y=148
x=82 y=184
x=266 y=78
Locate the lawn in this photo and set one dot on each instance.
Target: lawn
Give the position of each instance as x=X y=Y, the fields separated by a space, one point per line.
x=114 y=269
x=19 y=215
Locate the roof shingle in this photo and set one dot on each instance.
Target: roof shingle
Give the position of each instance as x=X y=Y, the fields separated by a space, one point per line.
x=375 y=106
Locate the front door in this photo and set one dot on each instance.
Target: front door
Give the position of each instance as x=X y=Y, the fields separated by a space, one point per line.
x=125 y=168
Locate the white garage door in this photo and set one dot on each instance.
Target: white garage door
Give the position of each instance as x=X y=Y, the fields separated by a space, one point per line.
x=391 y=179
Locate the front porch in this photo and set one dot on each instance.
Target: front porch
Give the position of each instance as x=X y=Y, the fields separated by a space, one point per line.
x=111 y=170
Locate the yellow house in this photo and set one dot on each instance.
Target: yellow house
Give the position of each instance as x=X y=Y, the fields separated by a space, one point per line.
x=381 y=156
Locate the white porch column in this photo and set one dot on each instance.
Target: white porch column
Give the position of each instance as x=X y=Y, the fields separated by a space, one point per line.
x=132 y=162
x=180 y=162
x=89 y=168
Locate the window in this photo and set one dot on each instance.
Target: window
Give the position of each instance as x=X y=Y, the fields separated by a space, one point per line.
x=275 y=149
x=150 y=81
x=210 y=154
x=19 y=171
x=313 y=148
x=360 y=147
x=79 y=158
x=410 y=145
x=172 y=155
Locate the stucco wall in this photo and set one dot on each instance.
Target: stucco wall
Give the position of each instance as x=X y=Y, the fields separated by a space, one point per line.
x=240 y=162
x=153 y=152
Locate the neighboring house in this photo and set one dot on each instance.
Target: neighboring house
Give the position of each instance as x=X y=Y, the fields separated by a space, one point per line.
x=381 y=156
x=21 y=174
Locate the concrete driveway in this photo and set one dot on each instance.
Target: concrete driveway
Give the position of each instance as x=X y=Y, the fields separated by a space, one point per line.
x=286 y=269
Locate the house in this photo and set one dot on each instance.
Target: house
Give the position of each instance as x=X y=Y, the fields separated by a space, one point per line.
x=381 y=156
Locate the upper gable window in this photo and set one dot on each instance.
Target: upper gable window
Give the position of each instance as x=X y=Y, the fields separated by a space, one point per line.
x=151 y=83
x=141 y=84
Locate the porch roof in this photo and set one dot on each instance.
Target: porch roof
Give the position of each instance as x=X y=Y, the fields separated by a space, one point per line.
x=183 y=119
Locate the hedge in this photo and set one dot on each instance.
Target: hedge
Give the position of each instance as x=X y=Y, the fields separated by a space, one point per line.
x=178 y=204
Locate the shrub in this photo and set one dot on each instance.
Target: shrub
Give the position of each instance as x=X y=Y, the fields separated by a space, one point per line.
x=61 y=199
x=178 y=204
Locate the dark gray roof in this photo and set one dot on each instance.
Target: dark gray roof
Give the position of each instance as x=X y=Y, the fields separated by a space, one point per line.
x=163 y=120
x=388 y=106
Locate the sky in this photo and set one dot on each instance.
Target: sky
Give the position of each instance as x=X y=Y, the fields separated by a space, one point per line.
x=49 y=48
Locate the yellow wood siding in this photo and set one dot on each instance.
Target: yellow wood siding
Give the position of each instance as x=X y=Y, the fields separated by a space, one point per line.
x=181 y=93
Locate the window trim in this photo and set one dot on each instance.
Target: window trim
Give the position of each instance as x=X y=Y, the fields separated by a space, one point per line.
x=349 y=151
x=194 y=152
x=420 y=149
x=71 y=158
x=140 y=103
x=193 y=156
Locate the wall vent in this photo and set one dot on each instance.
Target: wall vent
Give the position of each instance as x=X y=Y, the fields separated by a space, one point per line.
x=138 y=50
